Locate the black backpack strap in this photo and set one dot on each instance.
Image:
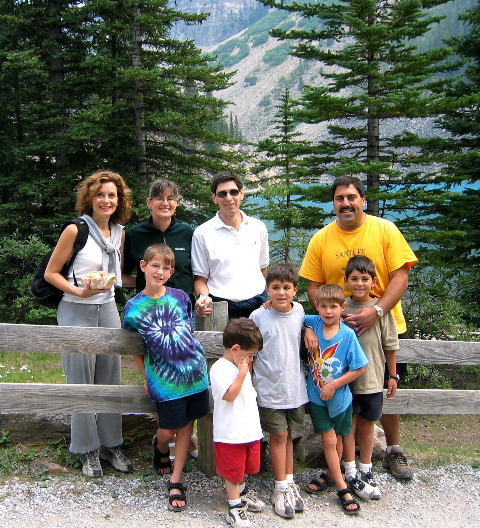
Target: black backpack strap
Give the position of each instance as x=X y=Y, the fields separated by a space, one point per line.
x=79 y=243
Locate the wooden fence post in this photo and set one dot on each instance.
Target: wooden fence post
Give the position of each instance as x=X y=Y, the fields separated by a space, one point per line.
x=216 y=322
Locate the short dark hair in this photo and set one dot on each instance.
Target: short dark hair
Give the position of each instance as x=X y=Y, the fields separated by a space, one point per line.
x=362 y=264
x=330 y=293
x=345 y=181
x=224 y=177
x=243 y=332
x=283 y=272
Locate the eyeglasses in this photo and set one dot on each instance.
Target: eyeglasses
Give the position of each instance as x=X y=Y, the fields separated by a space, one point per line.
x=164 y=199
x=159 y=267
x=231 y=192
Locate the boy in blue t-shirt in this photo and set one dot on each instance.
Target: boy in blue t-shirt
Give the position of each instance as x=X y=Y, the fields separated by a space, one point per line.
x=338 y=360
x=174 y=364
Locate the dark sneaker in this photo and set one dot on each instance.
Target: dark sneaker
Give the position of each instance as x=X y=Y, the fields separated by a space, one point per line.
x=237 y=517
x=396 y=462
x=91 y=464
x=282 y=503
x=115 y=457
x=367 y=476
x=251 y=501
x=297 y=500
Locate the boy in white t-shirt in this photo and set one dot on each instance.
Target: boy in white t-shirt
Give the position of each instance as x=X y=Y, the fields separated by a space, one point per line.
x=236 y=422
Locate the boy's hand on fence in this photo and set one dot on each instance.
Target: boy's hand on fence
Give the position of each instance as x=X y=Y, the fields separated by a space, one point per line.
x=145 y=388
x=391 y=387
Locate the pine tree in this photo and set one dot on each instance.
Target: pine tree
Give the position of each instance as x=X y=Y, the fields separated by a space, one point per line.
x=94 y=85
x=284 y=173
x=453 y=222
x=378 y=84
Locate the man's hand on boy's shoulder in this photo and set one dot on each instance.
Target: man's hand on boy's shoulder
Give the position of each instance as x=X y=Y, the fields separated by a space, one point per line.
x=362 y=320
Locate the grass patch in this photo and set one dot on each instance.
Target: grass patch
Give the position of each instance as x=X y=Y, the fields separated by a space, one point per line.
x=47 y=368
x=436 y=440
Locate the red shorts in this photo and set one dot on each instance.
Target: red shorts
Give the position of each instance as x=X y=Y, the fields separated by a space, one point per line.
x=234 y=461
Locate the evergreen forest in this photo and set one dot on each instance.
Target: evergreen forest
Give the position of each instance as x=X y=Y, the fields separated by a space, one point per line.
x=106 y=85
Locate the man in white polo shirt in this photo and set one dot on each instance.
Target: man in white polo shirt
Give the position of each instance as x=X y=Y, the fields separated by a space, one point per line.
x=230 y=253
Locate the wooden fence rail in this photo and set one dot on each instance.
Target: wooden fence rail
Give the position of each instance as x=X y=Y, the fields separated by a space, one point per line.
x=62 y=398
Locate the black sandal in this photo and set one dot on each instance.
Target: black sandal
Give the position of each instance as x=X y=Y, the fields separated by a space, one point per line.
x=182 y=496
x=321 y=486
x=157 y=458
x=345 y=502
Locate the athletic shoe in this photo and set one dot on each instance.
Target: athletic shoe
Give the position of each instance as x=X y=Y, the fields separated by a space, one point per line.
x=297 y=500
x=115 y=457
x=396 y=462
x=91 y=464
x=361 y=488
x=367 y=477
x=251 y=501
x=282 y=503
x=237 y=517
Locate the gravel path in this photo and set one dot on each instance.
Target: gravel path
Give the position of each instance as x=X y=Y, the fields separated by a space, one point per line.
x=446 y=496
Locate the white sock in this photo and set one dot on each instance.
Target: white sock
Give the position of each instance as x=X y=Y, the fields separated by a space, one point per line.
x=290 y=478
x=350 y=469
x=241 y=487
x=389 y=448
x=281 y=485
x=366 y=468
x=234 y=502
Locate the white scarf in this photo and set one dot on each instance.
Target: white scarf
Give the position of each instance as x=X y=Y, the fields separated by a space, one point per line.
x=111 y=251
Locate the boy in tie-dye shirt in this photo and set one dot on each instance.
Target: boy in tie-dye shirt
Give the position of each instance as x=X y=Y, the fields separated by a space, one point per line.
x=174 y=364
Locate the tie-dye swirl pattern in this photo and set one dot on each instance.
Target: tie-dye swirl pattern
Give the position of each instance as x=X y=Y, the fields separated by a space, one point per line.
x=175 y=361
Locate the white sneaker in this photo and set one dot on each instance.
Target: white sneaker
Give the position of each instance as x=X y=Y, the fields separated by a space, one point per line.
x=237 y=517
x=361 y=488
x=367 y=477
x=297 y=500
x=251 y=501
x=282 y=503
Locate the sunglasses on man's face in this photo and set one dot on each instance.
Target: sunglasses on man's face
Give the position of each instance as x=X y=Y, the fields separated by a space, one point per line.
x=231 y=192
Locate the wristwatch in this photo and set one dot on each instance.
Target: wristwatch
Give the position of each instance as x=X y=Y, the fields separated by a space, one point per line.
x=397 y=377
x=380 y=311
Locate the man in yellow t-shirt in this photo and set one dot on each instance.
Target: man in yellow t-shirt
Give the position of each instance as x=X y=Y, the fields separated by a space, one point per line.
x=356 y=233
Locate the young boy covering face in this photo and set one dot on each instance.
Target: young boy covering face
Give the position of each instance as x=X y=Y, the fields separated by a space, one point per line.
x=236 y=424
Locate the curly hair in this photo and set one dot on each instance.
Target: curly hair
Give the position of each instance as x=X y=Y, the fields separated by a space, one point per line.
x=90 y=187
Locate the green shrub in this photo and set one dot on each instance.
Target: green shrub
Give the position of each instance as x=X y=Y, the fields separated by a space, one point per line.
x=266 y=101
x=260 y=39
x=19 y=258
x=251 y=80
x=277 y=55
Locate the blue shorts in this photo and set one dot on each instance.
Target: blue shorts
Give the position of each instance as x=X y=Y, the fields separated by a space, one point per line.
x=176 y=414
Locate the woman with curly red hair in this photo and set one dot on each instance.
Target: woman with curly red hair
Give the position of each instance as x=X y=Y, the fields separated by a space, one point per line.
x=103 y=202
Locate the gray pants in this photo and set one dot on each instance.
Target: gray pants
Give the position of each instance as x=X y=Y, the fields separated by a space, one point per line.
x=89 y=431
